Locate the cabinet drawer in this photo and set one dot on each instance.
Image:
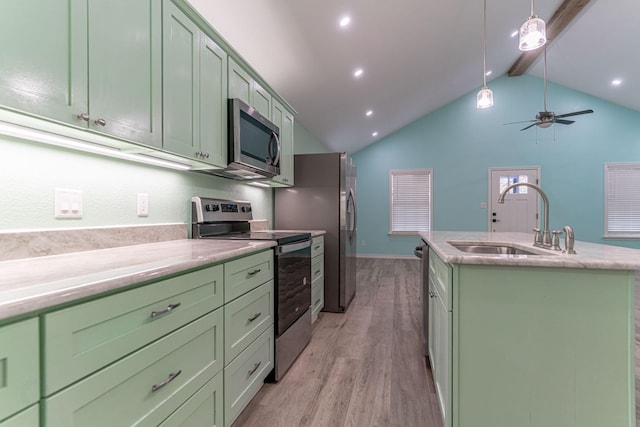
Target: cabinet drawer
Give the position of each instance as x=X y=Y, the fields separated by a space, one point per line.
x=19 y=366
x=82 y=339
x=246 y=318
x=245 y=375
x=244 y=274
x=317 y=297
x=202 y=409
x=144 y=388
x=440 y=274
x=317 y=267
x=317 y=246
x=27 y=418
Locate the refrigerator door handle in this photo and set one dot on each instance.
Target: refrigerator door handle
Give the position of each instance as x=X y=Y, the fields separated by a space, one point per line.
x=355 y=214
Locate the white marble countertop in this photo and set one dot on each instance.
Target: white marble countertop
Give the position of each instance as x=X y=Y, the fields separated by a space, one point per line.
x=588 y=255
x=32 y=284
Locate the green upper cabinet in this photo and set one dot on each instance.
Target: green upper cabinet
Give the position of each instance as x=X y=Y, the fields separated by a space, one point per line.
x=43 y=72
x=249 y=91
x=94 y=64
x=195 y=90
x=284 y=120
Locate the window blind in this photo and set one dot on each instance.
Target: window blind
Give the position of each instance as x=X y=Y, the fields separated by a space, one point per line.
x=622 y=199
x=410 y=201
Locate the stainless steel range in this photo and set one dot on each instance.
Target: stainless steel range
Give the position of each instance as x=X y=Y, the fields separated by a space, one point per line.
x=227 y=219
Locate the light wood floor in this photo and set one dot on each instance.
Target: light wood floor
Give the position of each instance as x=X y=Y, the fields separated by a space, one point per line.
x=365 y=367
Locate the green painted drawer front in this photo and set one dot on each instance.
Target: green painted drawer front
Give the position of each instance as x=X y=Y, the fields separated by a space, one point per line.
x=28 y=418
x=441 y=275
x=317 y=246
x=242 y=275
x=246 y=318
x=203 y=409
x=245 y=375
x=317 y=297
x=317 y=268
x=82 y=339
x=19 y=366
x=122 y=394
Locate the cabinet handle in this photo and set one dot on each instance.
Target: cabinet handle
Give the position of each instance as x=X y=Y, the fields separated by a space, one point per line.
x=169 y=308
x=101 y=122
x=170 y=378
x=315 y=248
x=317 y=302
x=255 y=368
x=254 y=272
x=199 y=153
x=432 y=294
x=83 y=116
x=254 y=317
x=206 y=155
x=317 y=272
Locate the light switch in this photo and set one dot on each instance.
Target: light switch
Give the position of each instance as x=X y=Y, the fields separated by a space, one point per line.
x=68 y=203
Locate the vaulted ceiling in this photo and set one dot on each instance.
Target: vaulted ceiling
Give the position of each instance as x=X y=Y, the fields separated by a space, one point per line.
x=416 y=55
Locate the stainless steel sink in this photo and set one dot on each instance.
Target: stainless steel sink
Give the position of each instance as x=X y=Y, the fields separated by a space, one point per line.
x=491 y=249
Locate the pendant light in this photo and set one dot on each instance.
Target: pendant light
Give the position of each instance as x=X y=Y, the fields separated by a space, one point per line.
x=485 y=96
x=533 y=33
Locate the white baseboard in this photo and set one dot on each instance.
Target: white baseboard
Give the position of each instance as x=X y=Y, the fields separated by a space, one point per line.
x=386 y=256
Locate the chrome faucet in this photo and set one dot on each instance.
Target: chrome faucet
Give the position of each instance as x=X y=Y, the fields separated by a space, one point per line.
x=546 y=235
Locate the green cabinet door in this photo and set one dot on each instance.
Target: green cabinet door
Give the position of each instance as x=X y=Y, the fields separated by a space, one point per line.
x=261 y=99
x=44 y=58
x=284 y=120
x=240 y=82
x=195 y=90
x=213 y=102
x=125 y=48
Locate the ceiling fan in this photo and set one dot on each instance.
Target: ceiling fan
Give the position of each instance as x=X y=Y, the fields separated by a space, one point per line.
x=545 y=118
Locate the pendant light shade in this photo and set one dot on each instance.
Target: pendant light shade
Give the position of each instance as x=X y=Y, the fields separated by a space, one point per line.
x=485 y=96
x=533 y=33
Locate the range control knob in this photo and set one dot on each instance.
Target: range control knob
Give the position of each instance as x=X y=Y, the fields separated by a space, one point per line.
x=246 y=209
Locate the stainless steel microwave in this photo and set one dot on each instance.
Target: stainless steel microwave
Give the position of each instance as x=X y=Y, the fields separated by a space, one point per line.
x=253 y=147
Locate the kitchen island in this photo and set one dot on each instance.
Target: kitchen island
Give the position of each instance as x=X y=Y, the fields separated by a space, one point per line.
x=539 y=339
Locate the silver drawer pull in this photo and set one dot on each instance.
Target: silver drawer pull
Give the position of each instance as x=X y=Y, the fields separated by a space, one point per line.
x=254 y=272
x=169 y=308
x=432 y=294
x=255 y=368
x=255 y=316
x=170 y=378
x=317 y=302
x=316 y=247
x=101 y=122
x=83 y=116
x=317 y=272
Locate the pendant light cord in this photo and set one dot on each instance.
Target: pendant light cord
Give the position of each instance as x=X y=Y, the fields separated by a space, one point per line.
x=484 y=52
x=532 y=7
x=545 y=78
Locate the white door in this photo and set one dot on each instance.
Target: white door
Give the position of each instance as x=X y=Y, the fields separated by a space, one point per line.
x=520 y=209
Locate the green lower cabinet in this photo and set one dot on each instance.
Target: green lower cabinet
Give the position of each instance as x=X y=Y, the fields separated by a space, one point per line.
x=27 y=418
x=203 y=409
x=19 y=367
x=535 y=346
x=146 y=387
x=244 y=377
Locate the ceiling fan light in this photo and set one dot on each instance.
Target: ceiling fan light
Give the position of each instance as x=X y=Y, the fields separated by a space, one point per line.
x=485 y=98
x=533 y=34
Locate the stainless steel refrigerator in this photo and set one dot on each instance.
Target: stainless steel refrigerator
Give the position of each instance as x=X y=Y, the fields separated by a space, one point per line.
x=324 y=198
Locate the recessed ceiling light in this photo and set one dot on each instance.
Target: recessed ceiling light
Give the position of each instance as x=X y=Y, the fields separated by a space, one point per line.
x=345 y=21
x=489 y=73
x=616 y=82
x=369 y=113
x=374 y=134
x=515 y=33
x=358 y=72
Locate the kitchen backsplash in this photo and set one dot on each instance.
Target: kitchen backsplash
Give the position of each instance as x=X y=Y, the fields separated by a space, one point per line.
x=15 y=245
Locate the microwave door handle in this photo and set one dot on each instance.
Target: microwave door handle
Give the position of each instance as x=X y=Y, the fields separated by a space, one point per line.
x=276 y=161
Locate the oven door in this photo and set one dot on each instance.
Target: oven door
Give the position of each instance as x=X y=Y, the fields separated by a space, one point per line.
x=293 y=283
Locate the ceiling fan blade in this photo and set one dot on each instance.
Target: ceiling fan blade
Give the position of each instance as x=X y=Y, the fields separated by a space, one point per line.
x=531 y=125
x=524 y=121
x=564 y=122
x=575 y=113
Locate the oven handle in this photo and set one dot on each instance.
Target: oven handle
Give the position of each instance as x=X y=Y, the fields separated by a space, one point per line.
x=292 y=247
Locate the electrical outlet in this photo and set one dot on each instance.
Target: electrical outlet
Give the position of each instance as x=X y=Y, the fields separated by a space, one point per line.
x=143 y=204
x=68 y=203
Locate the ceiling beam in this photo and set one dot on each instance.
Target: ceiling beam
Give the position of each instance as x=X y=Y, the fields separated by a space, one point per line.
x=558 y=22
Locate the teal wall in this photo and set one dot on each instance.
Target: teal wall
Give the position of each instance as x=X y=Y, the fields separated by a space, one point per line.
x=305 y=142
x=460 y=142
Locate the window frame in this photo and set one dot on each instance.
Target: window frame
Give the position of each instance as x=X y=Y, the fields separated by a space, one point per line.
x=396 y=172
x=608 y=233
